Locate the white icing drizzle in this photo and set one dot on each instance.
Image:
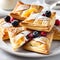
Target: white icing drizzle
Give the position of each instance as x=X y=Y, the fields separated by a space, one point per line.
x=3 y=23
x=7 y=25
x=33 y=16
x=21 y=35
x=25 y=33
x=41 y=39
x=43 y=17
x=45 y=23
x=22 y=7
x=18 y=38
x=37 y=16
x=57 y=27
x=42 y=12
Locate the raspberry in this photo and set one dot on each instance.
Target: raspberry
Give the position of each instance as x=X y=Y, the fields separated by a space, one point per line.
x=11 y=19
x=30 y=35
x=43 y=15
x=57 y=22
x=43 y=33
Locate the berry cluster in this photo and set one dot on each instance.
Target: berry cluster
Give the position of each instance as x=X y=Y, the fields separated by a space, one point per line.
x=47 y=14
x=35 y=34
x=13 y=21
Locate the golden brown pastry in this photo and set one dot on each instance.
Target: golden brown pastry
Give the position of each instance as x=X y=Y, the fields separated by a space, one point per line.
x=6 y=23
x=3 y=29
x=56 y=30
x=17 y=37
x=22 y=11
x=38 y=22
x=40 y=44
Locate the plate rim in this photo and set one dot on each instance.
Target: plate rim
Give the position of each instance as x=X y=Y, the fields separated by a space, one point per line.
x=6 y=49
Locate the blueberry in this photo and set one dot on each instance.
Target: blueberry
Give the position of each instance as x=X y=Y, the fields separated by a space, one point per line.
x=48 y=13
x=7 y=18
x=27 y=37
x=15 y=23
x=36 y=34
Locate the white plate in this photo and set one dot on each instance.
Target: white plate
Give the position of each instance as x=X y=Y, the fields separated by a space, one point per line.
x=55 y=49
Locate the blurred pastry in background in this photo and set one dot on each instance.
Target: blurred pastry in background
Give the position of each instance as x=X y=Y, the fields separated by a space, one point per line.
x=56 y=30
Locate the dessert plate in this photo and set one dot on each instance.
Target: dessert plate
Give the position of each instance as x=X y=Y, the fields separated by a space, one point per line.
x=55 y=49
x=5 y=45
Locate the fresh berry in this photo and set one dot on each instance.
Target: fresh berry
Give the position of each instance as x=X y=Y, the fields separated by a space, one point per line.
x=7 y=18
x=36 y=34
x=15 y=23
x=11 y=19
x=43 y=33
x=57 y=22
x=48 y=13
x=43 y=15
x=30 y=35
x=29 y=38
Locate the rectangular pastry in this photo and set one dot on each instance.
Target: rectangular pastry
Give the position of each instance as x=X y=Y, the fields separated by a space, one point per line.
x=5 y=23
x=22 y=11
x=40 y=21
x=17 y=37
x=3 y=29
x=41 y=44
x=56 y=30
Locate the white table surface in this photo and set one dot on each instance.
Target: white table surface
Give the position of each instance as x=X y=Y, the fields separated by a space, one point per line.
x=6 y=56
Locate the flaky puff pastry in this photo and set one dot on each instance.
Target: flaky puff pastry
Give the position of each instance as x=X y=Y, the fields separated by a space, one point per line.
x=56 y=30
x=3 y=29
x=40 y=44
x=17 y=37
x=40 y=23
x=22 y=11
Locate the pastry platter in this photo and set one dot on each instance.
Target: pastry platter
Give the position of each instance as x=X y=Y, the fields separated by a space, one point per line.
x=17 y=38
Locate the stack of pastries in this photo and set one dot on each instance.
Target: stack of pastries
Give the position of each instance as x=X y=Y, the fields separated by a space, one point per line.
x=29 y=27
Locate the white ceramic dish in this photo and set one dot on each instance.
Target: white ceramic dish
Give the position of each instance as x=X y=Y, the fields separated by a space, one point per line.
x=55 y=49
